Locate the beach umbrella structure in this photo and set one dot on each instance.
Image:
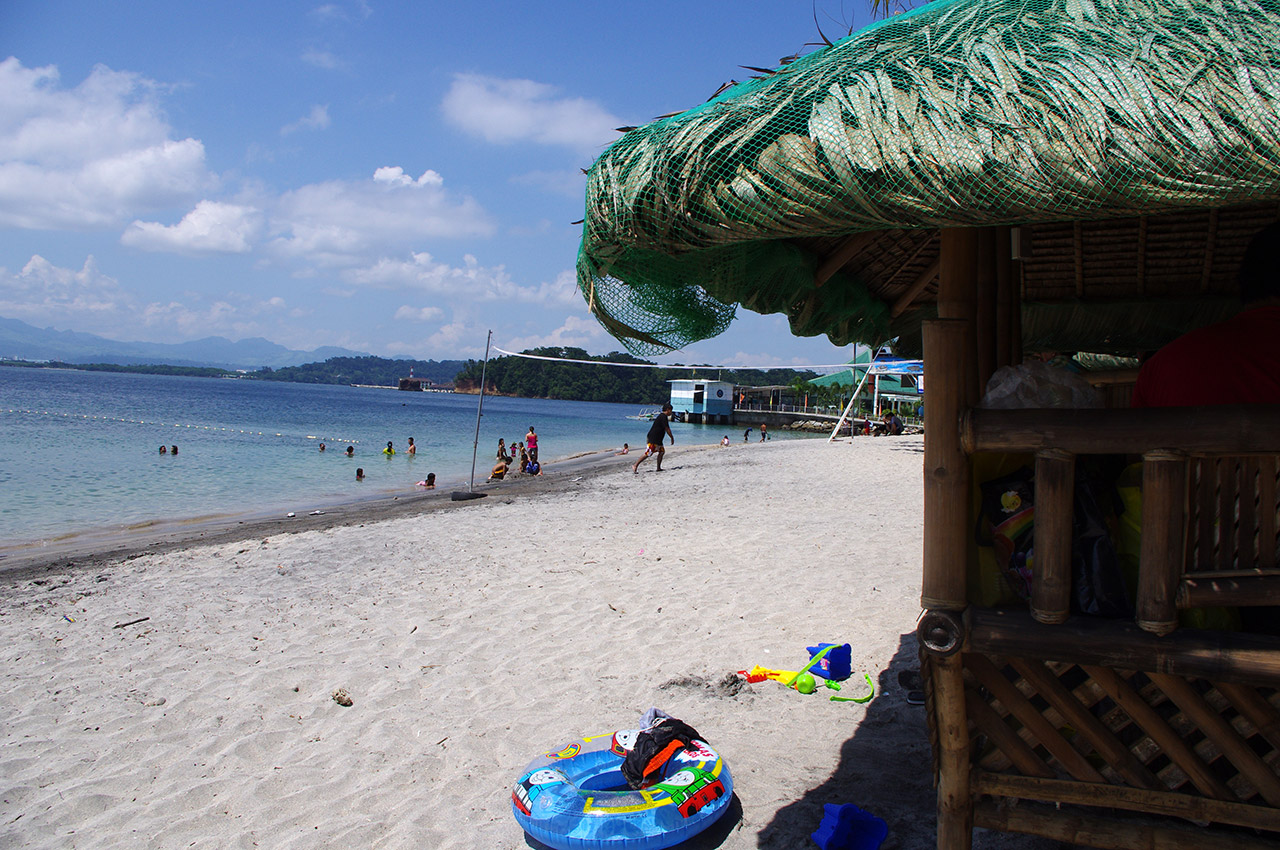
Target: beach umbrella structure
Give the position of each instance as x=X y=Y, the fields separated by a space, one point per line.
x=981 y=180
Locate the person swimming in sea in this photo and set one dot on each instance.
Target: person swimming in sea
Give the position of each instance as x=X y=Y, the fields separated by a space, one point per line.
x=389 y=450
x=351 y=451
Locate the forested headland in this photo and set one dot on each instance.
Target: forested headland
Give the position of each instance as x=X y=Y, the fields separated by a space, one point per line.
x=374 y=371
x=521 y=376
x=506 y=375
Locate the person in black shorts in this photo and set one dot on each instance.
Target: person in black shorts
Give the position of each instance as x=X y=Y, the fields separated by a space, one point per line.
x=658 y=431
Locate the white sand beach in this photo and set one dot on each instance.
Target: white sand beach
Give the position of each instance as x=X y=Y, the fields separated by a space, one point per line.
x=470 y=637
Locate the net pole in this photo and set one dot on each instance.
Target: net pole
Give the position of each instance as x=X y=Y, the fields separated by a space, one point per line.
x=848 y=407
x=475 y=446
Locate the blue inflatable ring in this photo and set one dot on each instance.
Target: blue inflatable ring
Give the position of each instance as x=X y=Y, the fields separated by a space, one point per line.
x=576 y=798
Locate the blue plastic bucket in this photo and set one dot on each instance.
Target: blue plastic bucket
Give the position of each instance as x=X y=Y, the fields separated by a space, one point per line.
x=836 y=665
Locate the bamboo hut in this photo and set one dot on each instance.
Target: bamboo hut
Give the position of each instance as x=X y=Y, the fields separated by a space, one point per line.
x=984 y=179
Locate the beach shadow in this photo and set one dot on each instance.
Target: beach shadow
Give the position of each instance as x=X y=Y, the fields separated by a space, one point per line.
x=885 y=769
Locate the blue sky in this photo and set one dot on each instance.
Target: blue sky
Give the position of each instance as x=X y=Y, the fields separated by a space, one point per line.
x=392 y=177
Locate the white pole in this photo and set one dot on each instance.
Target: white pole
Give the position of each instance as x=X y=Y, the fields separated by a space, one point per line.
x=471 y=485
x=853 y=399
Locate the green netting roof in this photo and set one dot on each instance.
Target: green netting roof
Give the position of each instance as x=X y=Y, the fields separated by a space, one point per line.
x=962 y=112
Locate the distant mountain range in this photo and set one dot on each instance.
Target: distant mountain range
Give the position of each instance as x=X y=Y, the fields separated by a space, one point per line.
x=18 y=340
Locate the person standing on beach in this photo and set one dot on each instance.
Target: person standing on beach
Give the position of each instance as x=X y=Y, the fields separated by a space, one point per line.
x=531 y=442
x=660 y=429
x=764 y=431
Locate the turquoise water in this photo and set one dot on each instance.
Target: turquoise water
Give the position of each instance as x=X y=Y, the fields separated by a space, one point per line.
x=81 y=448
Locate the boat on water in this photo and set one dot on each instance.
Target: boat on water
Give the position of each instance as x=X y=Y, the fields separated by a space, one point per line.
x=646 y=414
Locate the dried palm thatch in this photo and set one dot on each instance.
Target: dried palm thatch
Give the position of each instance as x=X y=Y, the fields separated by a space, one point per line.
x=961 y=113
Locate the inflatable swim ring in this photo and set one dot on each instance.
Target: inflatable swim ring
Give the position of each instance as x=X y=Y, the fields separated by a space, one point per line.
x=576 y=798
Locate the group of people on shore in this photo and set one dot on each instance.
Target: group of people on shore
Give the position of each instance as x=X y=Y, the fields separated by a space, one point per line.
x=522 y=455
x=890 y=425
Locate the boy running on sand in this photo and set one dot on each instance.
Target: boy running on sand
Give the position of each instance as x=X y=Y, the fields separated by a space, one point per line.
x=657 y=431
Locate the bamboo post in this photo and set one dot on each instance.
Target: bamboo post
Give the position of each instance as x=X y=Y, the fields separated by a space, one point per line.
x=957 y=292
x=955 y=802
x=1005 y=297
x=1051 y=578
x=946 y=469
x=984 y=323
x=1164 y=484
x=952 y=379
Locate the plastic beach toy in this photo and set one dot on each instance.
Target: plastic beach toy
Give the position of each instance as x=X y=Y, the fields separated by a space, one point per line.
x=576 y=798
x=848 y=827
x=794 y=678
x=836 y=662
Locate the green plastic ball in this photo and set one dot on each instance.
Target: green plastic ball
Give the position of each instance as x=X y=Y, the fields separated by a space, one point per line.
x=805 y=683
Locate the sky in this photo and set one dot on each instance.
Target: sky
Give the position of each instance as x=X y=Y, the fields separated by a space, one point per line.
x=390 y=177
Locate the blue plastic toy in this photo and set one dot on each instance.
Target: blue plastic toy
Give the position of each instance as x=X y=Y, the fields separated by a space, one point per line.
x=848 y=827
x=836 y=664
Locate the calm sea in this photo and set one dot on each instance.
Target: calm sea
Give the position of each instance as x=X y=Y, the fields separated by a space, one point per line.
x=80 y=449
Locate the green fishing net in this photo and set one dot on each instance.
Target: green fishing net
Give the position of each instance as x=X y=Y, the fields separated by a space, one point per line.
x=960 y=113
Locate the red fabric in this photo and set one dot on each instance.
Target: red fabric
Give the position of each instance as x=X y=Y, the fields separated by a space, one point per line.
x=663 y=757
x=1232 y=362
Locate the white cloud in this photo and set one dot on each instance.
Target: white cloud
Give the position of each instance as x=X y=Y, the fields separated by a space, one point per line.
x=91 y=156
x=419 y=314
x=340 y=222
x=394 y=175
x=236 y=315
x=316 y=119
x=504 y=111
x=47 y=295
x=328 y=12
x=335 y=13
x=43 y=293
x=469 y=282
x=576 y=332
x=323 y=59
x=210 y=228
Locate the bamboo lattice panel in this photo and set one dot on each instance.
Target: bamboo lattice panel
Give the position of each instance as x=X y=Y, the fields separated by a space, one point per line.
x=1118 y=729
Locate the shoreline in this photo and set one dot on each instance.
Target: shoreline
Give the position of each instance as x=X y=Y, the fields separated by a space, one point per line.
x=95 y=546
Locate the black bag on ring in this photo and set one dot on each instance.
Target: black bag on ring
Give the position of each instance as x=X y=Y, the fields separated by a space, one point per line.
x=654 y=747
